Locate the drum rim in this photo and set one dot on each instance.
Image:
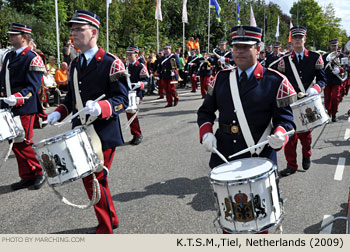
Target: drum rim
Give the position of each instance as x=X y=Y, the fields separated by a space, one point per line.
x=240 y=181
x=307 y=100
x=85 y=174
x=312 y=128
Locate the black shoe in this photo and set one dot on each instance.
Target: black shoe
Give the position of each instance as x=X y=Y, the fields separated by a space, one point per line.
x=168 y=105
x=334 y=118
x=23 y=183
x=306 y=163
x=176 y=102
x=160 y=98
x=39 y=182
x=137 y=140
x=286 y=172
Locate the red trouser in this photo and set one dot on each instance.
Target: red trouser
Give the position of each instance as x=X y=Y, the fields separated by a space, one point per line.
x=28 y=165
x=194 y=81
x=135 y=128
x=104 y=209
x=331 y=98
x=204 y=85
x=290 y=150
x=161 y=88
x=170 y=90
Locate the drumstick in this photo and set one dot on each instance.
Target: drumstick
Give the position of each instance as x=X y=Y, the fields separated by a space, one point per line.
x=79 y=112
x=220 y=155
x=259 y=145
x=131 y=119
x=17 y=98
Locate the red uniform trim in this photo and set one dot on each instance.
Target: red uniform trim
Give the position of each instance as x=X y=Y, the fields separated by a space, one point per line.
x=205 y=128
x=100 y=54
x=258 y=71
x=317 y=87
x=27 y=49
x=106 y=109
x=62 y=109
x=19 y=101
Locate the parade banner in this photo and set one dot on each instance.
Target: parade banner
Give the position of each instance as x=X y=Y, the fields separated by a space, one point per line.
x=184 y=11
x=278 y=28
x=215 y=4
x=238 y=15
x=158 y=14
x=252 y=18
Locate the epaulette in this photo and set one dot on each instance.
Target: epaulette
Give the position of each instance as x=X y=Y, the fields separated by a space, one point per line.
x=144 y=71
x=286 y=94
x=212 y=82
x=117 y=69
x=37 y=64
x=319 y=63
x=281 y=65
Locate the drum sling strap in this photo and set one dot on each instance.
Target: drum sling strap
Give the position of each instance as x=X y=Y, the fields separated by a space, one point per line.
x=296 y=75
x=247 y=135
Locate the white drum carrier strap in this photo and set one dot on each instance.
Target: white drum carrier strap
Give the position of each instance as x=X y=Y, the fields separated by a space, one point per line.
x=296 y=75
x=80 y=106
x=247 y=135
x=7 y=79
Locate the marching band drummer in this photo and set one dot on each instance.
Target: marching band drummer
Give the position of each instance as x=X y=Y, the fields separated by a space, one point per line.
x=226 y=57
x=333 y=88
x=307 y=65
x=92 y=74
x=138 y=73
x=24 y=68
x=248 y=97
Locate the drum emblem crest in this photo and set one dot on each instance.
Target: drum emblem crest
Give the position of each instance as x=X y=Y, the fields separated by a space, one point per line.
x=311 y=115
x=55 y=166
x=244 y=210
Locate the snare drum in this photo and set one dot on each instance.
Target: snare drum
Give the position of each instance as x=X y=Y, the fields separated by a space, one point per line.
x=309 y=113
x=67 y=157
x=8 y=127
x=247 y=195
x=132 y=108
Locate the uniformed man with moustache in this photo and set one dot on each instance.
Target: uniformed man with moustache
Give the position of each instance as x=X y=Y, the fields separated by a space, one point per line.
x=93 y=73
x=308 y=65
x=334 y=73
x=138 y=73
x=272 y=59
x=20 y=77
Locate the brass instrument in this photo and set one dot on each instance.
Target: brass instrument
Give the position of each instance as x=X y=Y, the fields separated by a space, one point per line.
x=333 y=61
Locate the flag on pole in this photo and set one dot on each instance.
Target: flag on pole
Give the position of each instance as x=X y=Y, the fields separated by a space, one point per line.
x=278 y=28
x=252 y=18
x=265 y=24
x=184 y=11
x=109 y=2
x=215 y=4
x=290 y=34
x=238 y=15
x=158 y=14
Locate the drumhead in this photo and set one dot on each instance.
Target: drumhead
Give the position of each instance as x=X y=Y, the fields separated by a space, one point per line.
x=57 y=138
x=241 y=169
x=305 y=100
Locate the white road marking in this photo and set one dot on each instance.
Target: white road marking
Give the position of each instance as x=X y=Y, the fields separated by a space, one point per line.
x=340 y=169
x=349 y=119
x=347 y=134
x=328 y=229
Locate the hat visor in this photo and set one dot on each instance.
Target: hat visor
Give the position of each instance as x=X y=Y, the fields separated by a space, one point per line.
x=298 y=34
x=77 y=21
x=244 y=42
x=14 y=32
x=130 y=51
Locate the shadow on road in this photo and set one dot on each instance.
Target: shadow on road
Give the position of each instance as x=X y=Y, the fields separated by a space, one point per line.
x=331 y=158
x=202 y=201
x=77 y=231
x=5 y=189
x=339 y=226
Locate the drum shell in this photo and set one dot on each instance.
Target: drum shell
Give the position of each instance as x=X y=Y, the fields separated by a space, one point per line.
x=132 y=107
x=71 y=157
x=8 y=127
x=309 y=113
x=261 y=187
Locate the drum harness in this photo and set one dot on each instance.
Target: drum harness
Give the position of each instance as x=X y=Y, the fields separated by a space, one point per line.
x=247 y=135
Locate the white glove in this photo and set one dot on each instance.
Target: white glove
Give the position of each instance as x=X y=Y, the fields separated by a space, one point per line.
x=209 y=141
x=11 y=100
x=311 y=92
x=92 y=108
x=336 y=70
x=53 y=117
x=276 y=140
x=222 y=60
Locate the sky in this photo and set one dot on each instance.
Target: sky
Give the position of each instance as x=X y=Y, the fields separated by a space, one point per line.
x=342 y=9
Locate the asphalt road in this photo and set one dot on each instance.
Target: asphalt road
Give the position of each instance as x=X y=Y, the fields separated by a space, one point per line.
x=162 y=185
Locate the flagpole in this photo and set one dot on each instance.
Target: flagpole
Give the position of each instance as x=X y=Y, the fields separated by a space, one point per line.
x=57 y=35
x=183 y=37
x=209 y=27
x=157 y=35
x=107 y=37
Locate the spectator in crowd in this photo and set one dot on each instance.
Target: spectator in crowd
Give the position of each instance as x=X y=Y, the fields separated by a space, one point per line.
x=196 y=44
x=182 y=72
x=61 y=78
x=51 y=66
x=190 y=44
x=69 y=53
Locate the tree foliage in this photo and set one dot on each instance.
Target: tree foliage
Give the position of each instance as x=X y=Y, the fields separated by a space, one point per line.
x=133 y=22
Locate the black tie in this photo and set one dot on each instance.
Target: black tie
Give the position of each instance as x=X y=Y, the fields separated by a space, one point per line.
x=244 y=79
x=83 y=66
x=299 y=57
